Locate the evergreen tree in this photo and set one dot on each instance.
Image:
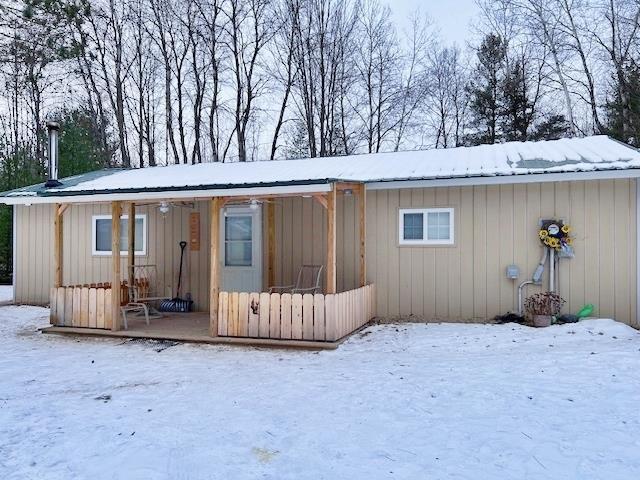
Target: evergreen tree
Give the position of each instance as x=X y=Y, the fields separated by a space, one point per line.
x=485 y=90
x=80 y=151
x=297 y=145
x=80 y=148
x=517 y=110
x=623 y=110
x=552 y=128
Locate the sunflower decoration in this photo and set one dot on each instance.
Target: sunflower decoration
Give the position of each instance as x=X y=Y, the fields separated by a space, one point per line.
x=555 y=234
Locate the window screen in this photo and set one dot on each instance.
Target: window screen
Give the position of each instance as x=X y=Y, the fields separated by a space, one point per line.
x=438 y=225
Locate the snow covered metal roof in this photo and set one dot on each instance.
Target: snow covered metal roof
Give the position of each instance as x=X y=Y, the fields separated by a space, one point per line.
x=590 y=154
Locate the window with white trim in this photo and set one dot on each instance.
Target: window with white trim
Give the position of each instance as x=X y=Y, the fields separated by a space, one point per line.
x=101 y=235
x=426 y=226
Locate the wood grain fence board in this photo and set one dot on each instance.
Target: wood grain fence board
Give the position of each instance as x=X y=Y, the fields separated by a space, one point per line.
x=53 y=312
x=330 y=317
x=232 y=326
x=351 y=325
x=367 y=296
x=263 y=327
x=223 y=313
x=100 y=307
x=285 y=315
x=75 y=321
x=339 y=314
x=319 y=326
x=296 y=316
x=61 y=304
x=108 y=311
x=274 y=316
x=254 y=314
x=93 y=308
x=243 y=315
x=84 y=307
x=307 y=316
x=68 y=307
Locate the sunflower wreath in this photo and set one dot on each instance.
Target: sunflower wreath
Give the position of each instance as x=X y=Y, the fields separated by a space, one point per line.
x=555 y=234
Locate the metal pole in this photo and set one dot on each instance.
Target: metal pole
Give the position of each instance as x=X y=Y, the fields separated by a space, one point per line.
x=552 y=270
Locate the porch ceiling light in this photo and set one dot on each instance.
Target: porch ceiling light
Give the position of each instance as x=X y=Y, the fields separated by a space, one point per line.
x=164 y=208
x=254 y=204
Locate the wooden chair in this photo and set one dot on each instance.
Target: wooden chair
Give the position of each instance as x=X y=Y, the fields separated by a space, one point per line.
x=143 y=293
x=308 y=281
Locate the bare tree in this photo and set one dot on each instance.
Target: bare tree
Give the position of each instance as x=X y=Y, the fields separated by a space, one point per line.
x=378 y=67
x=249 y=28
x=414 y=80
x=288 y=18
x=574 y=20
x=620 y=42
x=107 y=25
x=544 y=26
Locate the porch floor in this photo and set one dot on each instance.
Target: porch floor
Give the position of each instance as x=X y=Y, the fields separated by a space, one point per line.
x=185 y=327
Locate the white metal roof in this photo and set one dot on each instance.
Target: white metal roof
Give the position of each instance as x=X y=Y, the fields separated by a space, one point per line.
x=590 y=154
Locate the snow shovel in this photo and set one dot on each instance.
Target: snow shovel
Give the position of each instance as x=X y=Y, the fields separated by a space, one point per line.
x=177 y=304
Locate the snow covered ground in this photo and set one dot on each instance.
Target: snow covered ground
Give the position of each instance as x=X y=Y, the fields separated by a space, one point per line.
x=396 y=401
x=6 y=293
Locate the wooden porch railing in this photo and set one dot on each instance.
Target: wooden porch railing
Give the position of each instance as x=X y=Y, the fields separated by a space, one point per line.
x=285 y=316
x=82 y=306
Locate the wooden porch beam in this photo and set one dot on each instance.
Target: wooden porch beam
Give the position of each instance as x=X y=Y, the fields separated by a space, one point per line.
x=214 y=286
x=321 y=199
x=116 y=213
x=271 y=253
x=342 y=186
x=362 y=208
x=331 y=241
x=62 y=208
x=131 y=238
x=58 y=244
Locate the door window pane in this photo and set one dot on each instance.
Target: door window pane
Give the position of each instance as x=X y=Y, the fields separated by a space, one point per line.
x=238 y=245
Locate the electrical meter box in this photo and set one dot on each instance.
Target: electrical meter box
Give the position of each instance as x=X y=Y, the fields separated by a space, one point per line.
x=513 y=272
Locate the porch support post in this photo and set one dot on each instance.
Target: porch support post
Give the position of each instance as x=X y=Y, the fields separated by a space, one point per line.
x=116 y=213
x=331 y=241
x=271 y=254
x=362 y=207
x=131 y=237
x=214 y=286
x=58 y=210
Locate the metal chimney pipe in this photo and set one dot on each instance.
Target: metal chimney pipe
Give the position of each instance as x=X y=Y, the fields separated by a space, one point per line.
x=52 y=177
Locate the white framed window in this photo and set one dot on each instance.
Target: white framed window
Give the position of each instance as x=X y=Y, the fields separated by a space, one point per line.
x=101 y=235
x=426 y=226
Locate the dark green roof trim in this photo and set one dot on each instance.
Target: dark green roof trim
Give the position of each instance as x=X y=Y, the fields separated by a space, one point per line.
x=39 y=188
x=62 y=193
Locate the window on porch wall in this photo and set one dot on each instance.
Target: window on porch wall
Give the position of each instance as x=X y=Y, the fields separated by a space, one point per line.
x=101 y=235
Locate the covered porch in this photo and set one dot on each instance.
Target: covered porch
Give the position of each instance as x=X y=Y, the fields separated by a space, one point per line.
x=239 y=311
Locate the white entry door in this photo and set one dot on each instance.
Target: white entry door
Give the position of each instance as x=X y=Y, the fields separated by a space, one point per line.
x=242 y=249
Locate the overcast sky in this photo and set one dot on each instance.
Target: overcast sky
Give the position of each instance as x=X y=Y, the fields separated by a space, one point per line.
x=451 y=16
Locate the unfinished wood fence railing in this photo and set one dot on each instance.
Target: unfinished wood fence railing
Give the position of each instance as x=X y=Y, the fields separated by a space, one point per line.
x=81 y=306
x=285 y=316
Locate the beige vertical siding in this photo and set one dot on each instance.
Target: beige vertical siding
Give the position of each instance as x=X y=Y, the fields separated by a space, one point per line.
x=300 y=237
x=301 y=230
x=496 y=226
x=34 y=269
